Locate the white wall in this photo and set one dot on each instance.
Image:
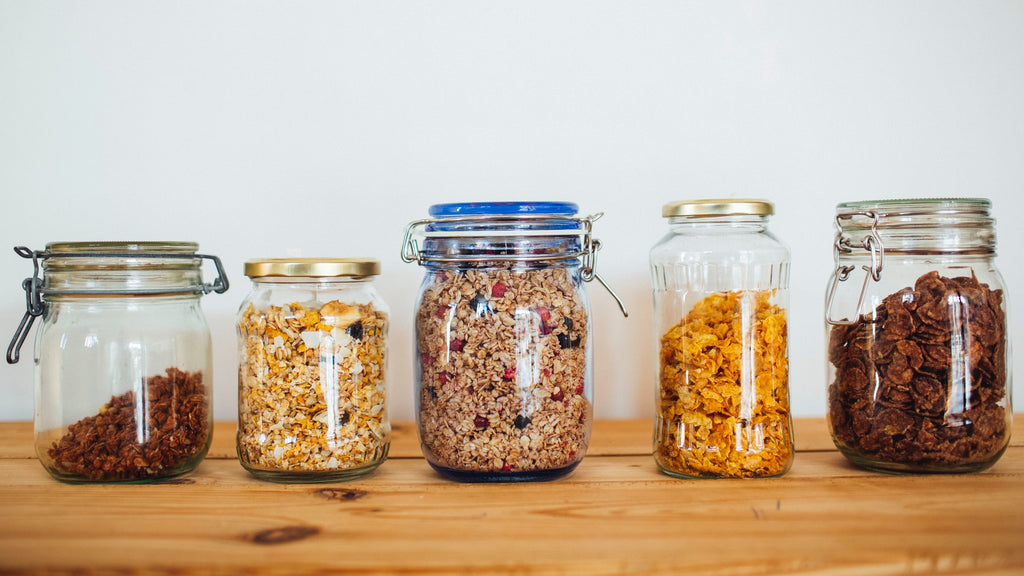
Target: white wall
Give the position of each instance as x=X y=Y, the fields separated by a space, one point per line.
x=256 y=128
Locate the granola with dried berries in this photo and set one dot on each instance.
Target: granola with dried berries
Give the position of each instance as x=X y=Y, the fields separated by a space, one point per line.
x=724 y=395
x=311 y=388
x=921 y=382
x=112 y=446
x=503 y=370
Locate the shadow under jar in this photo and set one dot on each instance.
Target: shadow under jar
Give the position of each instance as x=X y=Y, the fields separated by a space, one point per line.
x=918 y=367
x=123 y=360
x=312 y=395
x=504 y=379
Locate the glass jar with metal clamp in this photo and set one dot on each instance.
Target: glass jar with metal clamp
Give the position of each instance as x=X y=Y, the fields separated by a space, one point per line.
x=917 y=362
x=123 y=364
x=503 y=366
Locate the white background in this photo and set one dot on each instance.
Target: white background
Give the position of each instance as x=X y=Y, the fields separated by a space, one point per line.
x=263 y=128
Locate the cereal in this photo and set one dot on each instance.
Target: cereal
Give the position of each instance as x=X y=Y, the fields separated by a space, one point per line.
x=107 y=446
x=724 y=401
x=921 y=382
x=311 y=387
x=503 y=369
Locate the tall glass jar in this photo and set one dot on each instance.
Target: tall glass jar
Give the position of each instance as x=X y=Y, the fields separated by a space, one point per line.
x=721 y=296
x=312 y=393
x=918 y=348
x=504 y=366
x=123 y=364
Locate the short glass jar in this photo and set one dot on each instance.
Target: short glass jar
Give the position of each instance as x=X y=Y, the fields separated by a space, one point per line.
x=504 y=359
x=123 y=360
x=721 y=297
x=312 y=387
x=918 y=346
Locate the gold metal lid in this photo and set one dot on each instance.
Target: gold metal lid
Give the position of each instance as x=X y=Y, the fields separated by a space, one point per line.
x=312 y=267
x=718 y=207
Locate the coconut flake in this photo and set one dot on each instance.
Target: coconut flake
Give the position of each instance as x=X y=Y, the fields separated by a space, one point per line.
x=311 y=338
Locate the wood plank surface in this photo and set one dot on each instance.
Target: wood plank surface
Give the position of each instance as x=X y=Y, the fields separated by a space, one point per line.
x=610 y=438
x=615 y=514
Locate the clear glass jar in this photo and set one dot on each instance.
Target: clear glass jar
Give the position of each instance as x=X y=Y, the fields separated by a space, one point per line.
x=312 y=387
x=123 y=364
x=918 y=349
x=504 y=377
x=721 y=297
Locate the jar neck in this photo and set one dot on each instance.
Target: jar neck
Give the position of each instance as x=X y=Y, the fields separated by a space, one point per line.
x=512 y=248
x=742 y=224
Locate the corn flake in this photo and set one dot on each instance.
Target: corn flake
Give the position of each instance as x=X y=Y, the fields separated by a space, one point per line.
x=724 y=401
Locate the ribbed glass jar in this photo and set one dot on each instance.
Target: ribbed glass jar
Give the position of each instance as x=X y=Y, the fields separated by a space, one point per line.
x=721 y=297
x=312 y=387
x=504 y=377
x=123 y=361
x=918 y=359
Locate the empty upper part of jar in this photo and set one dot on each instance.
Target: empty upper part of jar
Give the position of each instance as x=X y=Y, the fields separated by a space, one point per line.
x=717 y=246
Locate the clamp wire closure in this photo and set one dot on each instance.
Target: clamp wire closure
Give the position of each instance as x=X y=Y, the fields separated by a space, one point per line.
x=411 y=250
x=34 y=305
x=871 y=242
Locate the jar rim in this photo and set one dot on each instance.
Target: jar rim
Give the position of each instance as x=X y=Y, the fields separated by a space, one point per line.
x=312 y=267
x=130 y=246
x=544 y=208
x=910 y=206
x=100 y=256
x=711 y=207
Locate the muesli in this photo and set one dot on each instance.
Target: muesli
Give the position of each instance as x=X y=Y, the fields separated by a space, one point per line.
x=503 y=371
x=311 y=387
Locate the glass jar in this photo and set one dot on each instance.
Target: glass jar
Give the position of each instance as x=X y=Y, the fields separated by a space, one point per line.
x=721 y=297
x=503 y=365
x=122 y=359
x=312 y=394
x=917 y=364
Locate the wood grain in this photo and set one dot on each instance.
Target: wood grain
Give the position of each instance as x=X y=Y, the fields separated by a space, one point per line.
x=610 y=437
x=615 y=514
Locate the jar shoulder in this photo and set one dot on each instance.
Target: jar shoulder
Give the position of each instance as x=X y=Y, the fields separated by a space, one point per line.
x=705 y=247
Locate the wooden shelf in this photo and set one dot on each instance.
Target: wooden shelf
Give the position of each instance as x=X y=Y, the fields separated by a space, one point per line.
x=615 y=514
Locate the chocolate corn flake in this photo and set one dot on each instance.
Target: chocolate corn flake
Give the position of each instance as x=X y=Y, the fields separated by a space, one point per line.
x=724 y=401
x=920 y=383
